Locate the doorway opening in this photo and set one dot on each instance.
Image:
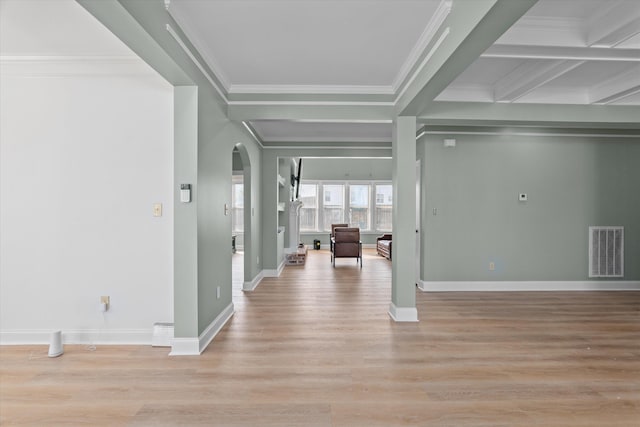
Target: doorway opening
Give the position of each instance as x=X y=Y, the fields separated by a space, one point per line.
x=241 y=211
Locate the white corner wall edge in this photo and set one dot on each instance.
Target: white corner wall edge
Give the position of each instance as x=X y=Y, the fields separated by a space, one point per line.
x=195 y=346
x=403 y=314
x=78 y=336
x=530 y=286
x=252 y=285
x=274 y=273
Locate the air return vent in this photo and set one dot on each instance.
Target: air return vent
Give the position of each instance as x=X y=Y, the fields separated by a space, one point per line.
x=606 y=251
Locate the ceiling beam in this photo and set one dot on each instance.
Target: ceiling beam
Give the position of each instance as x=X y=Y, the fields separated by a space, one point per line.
x=529 y=76
x=469 y=29
x=614 y=24
x=113 y=15
x=616 y=88
x=489 y=114
x=376 y=113
x=619 y=35
x=562 y=53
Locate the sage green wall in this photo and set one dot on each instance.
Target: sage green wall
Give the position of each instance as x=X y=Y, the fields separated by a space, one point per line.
x=142 y=25
x=346 y=169
x=572 y=183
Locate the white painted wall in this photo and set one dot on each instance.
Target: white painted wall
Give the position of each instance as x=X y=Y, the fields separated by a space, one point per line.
x=83 y=160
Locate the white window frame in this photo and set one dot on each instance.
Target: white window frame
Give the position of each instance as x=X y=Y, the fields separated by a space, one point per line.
x=346 y=203
x=318 y=203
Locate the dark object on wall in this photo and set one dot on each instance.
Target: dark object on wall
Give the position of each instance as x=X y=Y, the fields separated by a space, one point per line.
x=316 y=244
x=295 y=180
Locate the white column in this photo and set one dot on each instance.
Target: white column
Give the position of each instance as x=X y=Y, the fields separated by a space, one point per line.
x=403 y=287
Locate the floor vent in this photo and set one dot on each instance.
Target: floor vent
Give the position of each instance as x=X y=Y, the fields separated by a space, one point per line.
x=606 y=251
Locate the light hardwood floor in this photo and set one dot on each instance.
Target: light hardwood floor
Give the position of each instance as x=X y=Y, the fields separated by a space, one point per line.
x=316 y=347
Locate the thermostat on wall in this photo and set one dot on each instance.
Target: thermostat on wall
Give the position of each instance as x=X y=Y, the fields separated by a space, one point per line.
x=522 y=197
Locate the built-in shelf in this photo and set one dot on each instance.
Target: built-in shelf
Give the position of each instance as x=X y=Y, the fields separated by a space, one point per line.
x=281 y=181
x=281 y=207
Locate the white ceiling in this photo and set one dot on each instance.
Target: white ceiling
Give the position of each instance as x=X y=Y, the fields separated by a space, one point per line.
x=364 y=46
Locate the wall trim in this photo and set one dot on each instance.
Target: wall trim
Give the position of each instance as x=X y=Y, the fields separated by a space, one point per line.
x=185 y=347
x=252 y=285
x=537 y=134
x=529 y=286
x=432 y=27
x=195 y=346
x=197 y=63
x=77 y=336
x=274 y=273
x=403 y=314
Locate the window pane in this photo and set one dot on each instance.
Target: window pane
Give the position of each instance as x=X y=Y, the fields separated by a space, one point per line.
x=237 y=207
x=384 y=203
x=309 y=210
x=359 y=206
x=333 y=210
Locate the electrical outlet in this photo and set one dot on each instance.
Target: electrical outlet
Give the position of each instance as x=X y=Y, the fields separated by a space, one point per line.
x=218 y=292
x=492 y=266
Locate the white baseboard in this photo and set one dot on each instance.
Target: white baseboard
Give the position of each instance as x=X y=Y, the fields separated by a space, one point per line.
x=185 y=347
x=195 y=346
x=529 y=286
x=77 y=336
x=252 y=285
x=274 y=273
x=403 y=314
x=364 y=245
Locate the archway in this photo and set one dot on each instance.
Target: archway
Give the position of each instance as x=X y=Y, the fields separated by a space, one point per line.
x=241 y=214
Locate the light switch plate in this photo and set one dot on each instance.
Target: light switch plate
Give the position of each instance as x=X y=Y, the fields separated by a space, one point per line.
x=522 y=197
x=157 y=209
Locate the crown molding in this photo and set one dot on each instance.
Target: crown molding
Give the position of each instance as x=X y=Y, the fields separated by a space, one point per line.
x=314 y=103
x=195 y=60
x=436 y=21
x=311 y=89
x=321 y=139
x=255 y=136
x=197 y=43
x=418 y=50
x=426 y=59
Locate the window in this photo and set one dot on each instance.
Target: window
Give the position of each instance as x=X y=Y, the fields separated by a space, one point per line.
x=384 y=205
x=309 y=210
x=363 y=204
x=237 y=204
x=359 y=195
x=333 y=211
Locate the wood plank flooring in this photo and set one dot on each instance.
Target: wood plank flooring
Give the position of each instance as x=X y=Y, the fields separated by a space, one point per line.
x=316 y=347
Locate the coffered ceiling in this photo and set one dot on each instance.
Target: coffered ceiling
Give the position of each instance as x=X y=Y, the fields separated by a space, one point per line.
x=310 y=46
x=575 y=52
x=560 y=52
x=356 y=54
